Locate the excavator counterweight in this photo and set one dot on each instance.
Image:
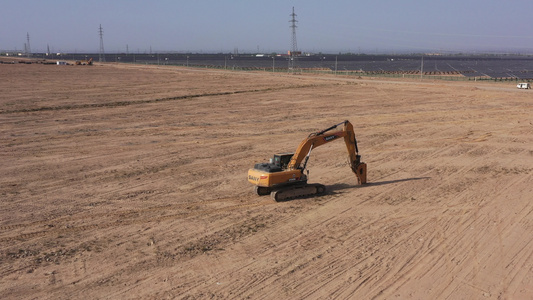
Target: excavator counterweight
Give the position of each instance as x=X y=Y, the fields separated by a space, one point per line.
x=284 y=178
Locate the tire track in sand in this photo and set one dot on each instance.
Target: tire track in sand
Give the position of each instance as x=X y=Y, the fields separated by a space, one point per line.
x=123 y=218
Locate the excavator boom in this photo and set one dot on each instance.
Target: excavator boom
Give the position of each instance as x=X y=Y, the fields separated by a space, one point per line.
x=300 y=157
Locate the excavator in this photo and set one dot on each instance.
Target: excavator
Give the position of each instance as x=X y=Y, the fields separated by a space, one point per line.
x=284 y=176
x=84 y=62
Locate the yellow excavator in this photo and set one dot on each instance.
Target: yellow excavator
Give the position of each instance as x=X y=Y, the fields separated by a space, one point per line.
x=84 y=62
x=284 y=178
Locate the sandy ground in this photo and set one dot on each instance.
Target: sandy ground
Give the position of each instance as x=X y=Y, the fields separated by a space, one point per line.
x=130 y=182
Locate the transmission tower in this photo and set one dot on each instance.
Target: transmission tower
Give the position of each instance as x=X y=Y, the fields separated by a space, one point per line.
x=28 y=49
x=294 y=49
x=101 y=55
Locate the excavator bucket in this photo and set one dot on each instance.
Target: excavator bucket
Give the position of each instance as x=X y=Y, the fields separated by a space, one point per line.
x=360 y=172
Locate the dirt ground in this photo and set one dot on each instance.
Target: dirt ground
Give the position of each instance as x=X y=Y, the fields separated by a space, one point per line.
x=123 y=181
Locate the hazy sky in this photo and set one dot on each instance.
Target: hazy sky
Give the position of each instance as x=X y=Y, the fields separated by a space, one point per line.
x=263 y=26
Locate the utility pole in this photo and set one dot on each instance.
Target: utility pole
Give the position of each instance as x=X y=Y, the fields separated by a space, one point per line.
x=294 y=49
x=101 y=56
x=335 y=65
x=422 y=67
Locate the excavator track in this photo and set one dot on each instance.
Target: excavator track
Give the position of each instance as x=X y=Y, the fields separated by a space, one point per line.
x=298 y=191
x=262 y=191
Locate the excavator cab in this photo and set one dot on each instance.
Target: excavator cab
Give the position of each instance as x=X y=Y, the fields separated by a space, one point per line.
x=281 y=160
x=278 y=163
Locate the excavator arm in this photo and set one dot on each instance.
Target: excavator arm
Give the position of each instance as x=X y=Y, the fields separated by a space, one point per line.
x=317 y=139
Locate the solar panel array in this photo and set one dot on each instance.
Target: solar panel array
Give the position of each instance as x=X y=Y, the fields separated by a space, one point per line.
x=521 y=69
x=470 y=67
